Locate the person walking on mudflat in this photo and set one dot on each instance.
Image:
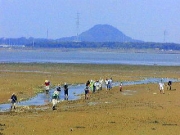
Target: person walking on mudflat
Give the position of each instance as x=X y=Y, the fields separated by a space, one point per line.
x=120 y=87
x=110 y=84
x=65 y=91
x=47 y=86
x=110 y=81
x=169 y=84
x=86 y=92
x=58 y=90
x=161 y=87
x=13 y=101
x=55 y=99
x=106 y=82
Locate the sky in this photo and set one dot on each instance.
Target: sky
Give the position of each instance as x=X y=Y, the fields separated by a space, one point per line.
x=147 y=20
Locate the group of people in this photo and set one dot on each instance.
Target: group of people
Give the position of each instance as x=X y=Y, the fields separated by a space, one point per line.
x=56 y=94
x=161 y=86
x=92 y=86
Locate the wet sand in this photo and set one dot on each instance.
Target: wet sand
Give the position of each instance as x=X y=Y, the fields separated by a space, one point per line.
x=137 y=110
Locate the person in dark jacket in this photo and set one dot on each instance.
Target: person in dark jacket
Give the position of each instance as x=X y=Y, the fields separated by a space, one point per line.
x=169 y=84
x=59 y=90
x=86 y=90
x=65 y=91
x=13 y=101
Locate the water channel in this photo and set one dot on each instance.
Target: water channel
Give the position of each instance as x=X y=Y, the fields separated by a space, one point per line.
x=76 y=90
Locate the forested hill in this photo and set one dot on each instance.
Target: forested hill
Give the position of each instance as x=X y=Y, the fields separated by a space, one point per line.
x=44 y=43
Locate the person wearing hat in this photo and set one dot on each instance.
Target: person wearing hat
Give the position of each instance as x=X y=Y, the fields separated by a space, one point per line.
x=47 y=84
x=13 y=101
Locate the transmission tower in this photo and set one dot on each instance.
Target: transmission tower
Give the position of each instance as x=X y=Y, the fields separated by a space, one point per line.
x=47 y=34
x=165 y=33
x=77 y=28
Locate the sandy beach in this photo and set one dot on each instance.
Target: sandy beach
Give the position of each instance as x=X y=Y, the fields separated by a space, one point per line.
x=137 y=110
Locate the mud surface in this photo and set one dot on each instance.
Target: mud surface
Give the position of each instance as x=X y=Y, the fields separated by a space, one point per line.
x=138 y=110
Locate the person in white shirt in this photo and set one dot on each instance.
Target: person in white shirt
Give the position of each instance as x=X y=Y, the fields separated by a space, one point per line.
x=55 y=99
x=106 y=82
x=161 y=87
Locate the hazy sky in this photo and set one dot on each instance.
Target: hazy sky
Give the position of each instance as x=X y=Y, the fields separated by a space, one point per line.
x=147 y=20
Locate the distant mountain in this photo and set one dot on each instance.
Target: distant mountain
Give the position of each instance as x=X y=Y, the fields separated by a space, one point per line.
x=101 y=33
x=98 y=33
x=99 y=36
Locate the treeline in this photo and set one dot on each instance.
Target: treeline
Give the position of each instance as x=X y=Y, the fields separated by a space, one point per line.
x=112 y=45
x=51 y=43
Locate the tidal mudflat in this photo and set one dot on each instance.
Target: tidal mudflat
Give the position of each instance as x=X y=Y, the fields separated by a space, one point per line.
x=138 y=109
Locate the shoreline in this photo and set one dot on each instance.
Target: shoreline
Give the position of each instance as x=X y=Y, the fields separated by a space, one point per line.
x=119 y=50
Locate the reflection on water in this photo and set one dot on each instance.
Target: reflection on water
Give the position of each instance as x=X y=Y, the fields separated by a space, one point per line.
x=76 y=90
